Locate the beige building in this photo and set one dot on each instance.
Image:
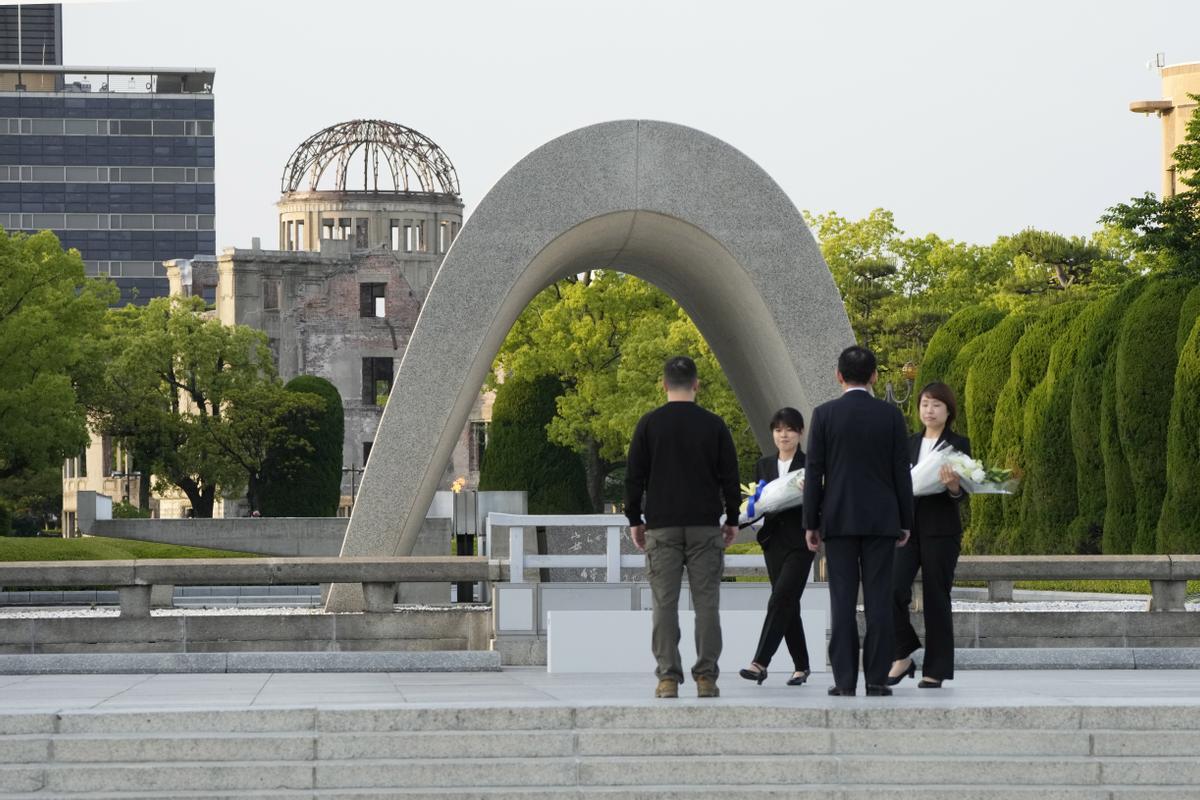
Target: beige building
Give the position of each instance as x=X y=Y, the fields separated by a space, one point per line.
x=367 y=213
x=1179 y=82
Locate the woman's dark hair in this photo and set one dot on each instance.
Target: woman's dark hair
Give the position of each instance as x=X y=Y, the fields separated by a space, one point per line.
x=940 y=391
x=788 y=417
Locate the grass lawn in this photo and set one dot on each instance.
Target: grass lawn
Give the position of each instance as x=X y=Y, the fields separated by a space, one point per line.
x=99 y=548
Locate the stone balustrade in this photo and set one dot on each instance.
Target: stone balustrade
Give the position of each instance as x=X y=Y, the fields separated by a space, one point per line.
x=135 y=580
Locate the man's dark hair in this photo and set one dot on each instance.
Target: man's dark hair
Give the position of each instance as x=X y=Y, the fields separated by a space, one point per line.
x=788 y=417
x=940 y=391
x=856 y=364
x=679 y=372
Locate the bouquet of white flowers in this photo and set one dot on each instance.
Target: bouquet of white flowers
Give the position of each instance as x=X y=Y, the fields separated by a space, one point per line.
x=769 y=496
x=973 y=475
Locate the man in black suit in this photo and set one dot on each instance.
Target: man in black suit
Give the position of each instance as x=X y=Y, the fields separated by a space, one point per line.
x=858 y=499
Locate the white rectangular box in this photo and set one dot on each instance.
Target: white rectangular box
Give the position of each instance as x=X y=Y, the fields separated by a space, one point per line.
x=619 y=641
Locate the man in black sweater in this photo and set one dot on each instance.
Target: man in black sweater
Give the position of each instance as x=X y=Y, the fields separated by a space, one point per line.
x=858 y=498
x=683 y=460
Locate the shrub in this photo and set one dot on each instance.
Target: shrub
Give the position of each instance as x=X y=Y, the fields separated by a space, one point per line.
x=1049 y=500
x=5 y=521
x=307 y=481
x=1086 y=406
x=1027 y=368
x=519 y=457
x=1145 y=380
x=1179 y=521
x=986 y=378
x=956 y=379
x=949 y=340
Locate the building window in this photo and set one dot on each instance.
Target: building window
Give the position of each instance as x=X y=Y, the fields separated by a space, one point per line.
x=289 y=243
x=366 y=451
x=273 y=346
x=445 y=235
x=327 y=228
x=376 y=380
x=361 y=240
x=414 y=236
x=371 y=299
x=394 y=229
x=300 y=243
x=477 y=445
x=81 y=470
x=335 y=229
x=271 y=295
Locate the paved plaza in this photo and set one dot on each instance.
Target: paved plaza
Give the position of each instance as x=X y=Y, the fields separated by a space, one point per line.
x=534 y=687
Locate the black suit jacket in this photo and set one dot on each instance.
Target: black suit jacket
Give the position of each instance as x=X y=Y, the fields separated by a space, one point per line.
x=937 y=514
x=789 y=522
x=857 y=480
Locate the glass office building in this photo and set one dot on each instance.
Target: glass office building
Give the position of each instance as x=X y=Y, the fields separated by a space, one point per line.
x=117 y=162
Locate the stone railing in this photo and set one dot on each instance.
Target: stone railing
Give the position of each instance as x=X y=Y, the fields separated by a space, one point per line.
x=1168 y=575
x=135 y=581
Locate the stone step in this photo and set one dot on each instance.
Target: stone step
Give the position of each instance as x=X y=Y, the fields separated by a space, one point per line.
x=633 y=772
x=309 y=745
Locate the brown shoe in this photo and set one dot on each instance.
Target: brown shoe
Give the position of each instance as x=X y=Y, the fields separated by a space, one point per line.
x=707 y=687
x=667 y=688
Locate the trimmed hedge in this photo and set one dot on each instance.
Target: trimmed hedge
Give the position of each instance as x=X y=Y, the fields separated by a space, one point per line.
x=956 y=379
x=986 y=378
x=949 y=340
x=1179 y=521
x=1189 y=312
x=1145 y=379
x=1049 y=501
x=314 y=489
x=1087 y=529
x=520 y=458
x=1027 y=369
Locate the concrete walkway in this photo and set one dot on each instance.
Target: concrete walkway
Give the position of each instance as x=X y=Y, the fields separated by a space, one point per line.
x=533 y=687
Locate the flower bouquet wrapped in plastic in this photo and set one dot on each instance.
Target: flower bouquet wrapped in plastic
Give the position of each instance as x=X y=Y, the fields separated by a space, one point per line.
x=767 y=497
x=973 y=475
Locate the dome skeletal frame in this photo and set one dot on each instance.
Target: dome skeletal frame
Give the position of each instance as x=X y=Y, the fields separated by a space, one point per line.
x=406 y=154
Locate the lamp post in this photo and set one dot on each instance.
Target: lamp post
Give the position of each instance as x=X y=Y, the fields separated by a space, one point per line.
x=909 y=373
x=128 y=476
x=355 y=470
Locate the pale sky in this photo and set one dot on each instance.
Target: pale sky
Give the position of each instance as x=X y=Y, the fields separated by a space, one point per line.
x=966 y=119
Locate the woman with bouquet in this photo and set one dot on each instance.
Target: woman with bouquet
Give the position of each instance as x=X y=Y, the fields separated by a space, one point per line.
x=933 y=549
x=787 y=555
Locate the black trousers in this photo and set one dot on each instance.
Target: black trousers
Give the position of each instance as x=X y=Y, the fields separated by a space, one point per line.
x=936 y=557
x=788 y=563
x=869 y=559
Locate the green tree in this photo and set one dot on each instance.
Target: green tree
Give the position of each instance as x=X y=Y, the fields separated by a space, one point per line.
x=1168 y=230
x=949 y=341
x=520 y=457
x=986 y=377
x=1049 y=499
x=1087 y=530
x=1145 y=373
x=605 y=337
x=302 y=475
x=1179 y=522
x=47 y=309
x=1045 y=262
x=1027 y=369
x=168 y=379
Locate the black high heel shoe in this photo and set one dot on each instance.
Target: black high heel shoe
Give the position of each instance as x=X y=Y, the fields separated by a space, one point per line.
x=798 y=680
x=911 y=672
x=757 y=676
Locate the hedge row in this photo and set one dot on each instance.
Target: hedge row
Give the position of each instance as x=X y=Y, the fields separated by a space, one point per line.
x=1094 y=404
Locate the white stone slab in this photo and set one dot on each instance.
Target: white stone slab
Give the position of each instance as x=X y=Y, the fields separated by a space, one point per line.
x=619 y=641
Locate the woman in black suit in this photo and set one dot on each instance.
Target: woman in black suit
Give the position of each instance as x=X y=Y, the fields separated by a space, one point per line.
x=787 y=555
x=933 y=549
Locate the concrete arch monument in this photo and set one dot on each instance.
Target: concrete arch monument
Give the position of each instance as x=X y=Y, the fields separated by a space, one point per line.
x=667 y=203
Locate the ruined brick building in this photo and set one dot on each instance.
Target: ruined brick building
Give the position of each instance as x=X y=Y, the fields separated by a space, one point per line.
x=367 y=211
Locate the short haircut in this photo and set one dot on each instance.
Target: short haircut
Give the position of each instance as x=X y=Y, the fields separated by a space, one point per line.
x=940 y=391
x=857 y=365
x=788 y=417
x=679 y=372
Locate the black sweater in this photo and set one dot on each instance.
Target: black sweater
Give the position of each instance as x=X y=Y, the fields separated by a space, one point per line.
x=682 y=458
